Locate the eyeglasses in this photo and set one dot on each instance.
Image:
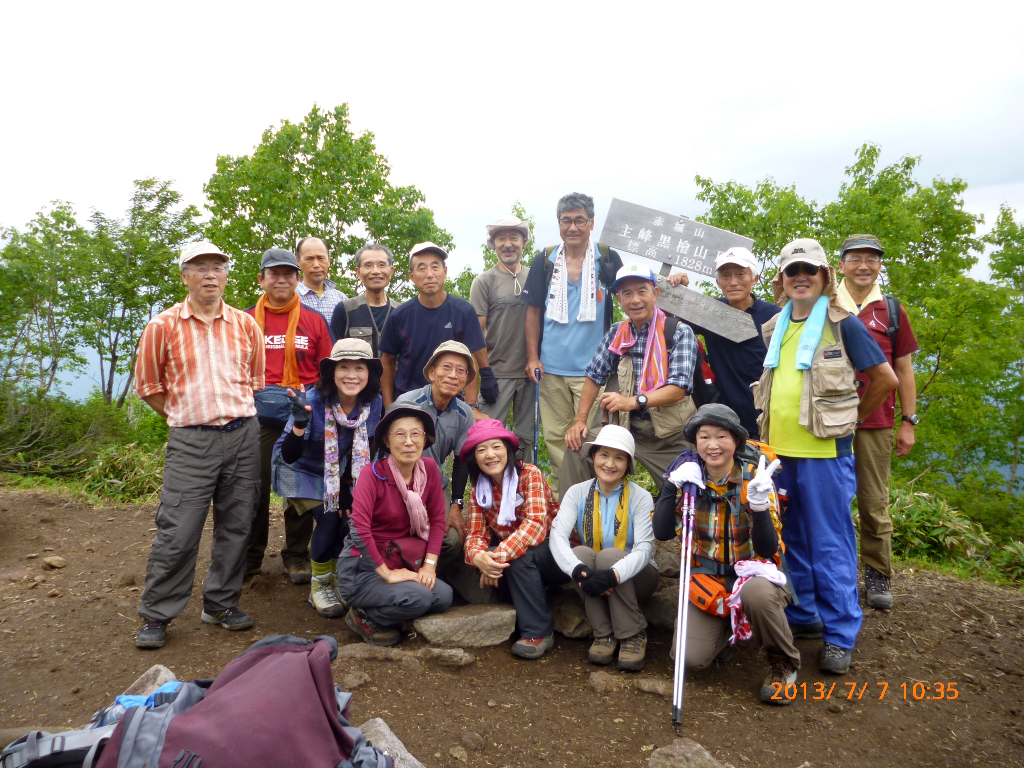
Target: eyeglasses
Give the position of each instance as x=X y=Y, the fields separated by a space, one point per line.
x=801 y=266
x=401 y=435
x=202 y=269
x=448 y=369
x=856 y=261
x=565 y=222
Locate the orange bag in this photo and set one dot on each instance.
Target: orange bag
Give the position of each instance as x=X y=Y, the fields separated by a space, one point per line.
x=708 y=593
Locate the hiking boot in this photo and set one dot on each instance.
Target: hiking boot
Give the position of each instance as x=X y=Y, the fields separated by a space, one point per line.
x=633 y=652
x=602 y=650
x=231 y=619
x=806 y=631
x=324 y=599
x=360 y=623
x=835 y=660
x=725 y=655
x=879 y=597
x=299 y=571
x=152 y=635
x=532 y=647
x=781 y=673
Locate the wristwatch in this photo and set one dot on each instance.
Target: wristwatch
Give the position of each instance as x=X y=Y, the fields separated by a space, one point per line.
x=474 y=405
x=641 y=401
x=912 y=418
x=460 y=502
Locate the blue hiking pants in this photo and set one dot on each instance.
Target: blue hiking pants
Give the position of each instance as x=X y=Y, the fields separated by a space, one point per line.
x=821 y=545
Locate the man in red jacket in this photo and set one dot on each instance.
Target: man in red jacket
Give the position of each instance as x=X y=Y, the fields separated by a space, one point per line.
x=296 y=338
x=873 y=442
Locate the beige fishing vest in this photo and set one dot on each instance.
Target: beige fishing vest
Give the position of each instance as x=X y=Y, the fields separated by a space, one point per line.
x=667 y=420
x=829 y=400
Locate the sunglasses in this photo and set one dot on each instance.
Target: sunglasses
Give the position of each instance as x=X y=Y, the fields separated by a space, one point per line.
x=801 y=266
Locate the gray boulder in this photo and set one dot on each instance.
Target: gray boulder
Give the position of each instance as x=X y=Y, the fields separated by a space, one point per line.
x=384 y=739
x=473 y=626
x=150 y=680
x=682 y=753
x=666 y=557
x=662 y=606
x=445 y=657
x=570 y=618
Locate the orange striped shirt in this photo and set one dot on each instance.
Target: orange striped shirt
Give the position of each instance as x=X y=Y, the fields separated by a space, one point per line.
x=207 y=372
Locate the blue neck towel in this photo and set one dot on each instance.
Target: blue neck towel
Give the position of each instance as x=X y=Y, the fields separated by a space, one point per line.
x=810 y=337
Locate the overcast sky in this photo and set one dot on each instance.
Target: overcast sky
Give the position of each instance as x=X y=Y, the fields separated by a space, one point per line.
x=481 y=104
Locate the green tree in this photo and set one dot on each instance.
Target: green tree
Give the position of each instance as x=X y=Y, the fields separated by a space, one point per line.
x=132 y=275
x=41 y=299
x=313 y=178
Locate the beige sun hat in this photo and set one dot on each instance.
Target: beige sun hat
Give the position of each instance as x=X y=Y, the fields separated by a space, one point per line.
x=508 y=222
x=454 y=348
x=351 y=349
x=807 y=251
x=614 y=436
x=200 y=248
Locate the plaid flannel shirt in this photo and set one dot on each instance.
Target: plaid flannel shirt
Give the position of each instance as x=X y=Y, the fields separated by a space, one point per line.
x=533 y=519
x=681 y=358
x=323 y=304
x=712 y=517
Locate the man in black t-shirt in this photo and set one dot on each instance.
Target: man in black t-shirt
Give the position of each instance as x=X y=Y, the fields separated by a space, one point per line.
x=737 y=365
x=417 y=327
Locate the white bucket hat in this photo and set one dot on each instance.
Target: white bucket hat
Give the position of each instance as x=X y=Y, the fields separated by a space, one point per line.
x=614 y=436
x=508 y=222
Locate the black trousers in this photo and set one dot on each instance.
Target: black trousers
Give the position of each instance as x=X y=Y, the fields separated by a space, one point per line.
x=525 y=582
x=331 y=529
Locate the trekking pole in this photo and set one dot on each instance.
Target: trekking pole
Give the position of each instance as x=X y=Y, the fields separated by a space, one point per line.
x=536 y=415
x=682 y=613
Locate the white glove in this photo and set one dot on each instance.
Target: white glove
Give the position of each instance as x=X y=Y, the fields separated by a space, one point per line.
x=761 y=485
x=687 y=472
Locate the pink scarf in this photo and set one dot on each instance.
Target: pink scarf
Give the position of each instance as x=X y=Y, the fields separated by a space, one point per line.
x=418 y=520
x=655 y=365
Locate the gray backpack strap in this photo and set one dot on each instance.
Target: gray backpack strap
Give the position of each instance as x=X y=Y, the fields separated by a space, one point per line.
x=143 y=740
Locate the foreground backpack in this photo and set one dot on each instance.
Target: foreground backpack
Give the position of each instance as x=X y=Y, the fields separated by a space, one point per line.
x=273 y=706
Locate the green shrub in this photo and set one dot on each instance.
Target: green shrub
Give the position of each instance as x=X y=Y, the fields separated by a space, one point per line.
x=1010 y=561
x=925 y=526
x=126 y=473
x=1000 y=513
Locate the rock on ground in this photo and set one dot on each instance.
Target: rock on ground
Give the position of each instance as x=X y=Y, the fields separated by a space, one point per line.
x=570 y=618
x=384 y=739
x=353 y=679
x=662 y=607
x=446 y=657
x=473 y=626
x=666 y=556
x=473 y=741
x=656 y=685
x=150 y=680
x=682 y=753
x=605 y=682
x=54 y=561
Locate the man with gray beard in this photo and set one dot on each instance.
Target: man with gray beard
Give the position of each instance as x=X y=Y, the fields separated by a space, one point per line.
x=497 y=297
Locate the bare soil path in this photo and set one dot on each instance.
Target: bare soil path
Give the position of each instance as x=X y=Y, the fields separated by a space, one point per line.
x=66 y=649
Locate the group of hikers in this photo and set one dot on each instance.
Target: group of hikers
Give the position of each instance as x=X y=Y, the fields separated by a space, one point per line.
x=349 y=408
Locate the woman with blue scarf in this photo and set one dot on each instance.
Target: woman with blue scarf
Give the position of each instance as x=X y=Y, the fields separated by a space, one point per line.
x=325 y=445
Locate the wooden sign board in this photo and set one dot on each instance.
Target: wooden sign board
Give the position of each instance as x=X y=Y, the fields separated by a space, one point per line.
x=703 y=311
x=664 y=237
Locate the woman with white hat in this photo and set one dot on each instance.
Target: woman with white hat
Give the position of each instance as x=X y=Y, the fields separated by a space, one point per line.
x=612 y=569
x=509 y=514
x=318 y=458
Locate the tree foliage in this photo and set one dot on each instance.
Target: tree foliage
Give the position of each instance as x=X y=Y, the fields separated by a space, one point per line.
x=313 y=178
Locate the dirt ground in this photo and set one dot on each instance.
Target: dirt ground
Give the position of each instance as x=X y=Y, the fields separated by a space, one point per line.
x=66 y=649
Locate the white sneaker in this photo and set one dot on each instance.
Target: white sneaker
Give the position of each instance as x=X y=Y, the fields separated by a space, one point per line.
x=324 y=599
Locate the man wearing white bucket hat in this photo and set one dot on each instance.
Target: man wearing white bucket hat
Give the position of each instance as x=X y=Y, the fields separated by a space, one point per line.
x=497 y=296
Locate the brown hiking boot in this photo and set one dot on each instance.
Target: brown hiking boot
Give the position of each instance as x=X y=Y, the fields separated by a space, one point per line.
x=602 y=650
x=633 y=652
x=360 y=623
x=781 y=673
x=299 y=571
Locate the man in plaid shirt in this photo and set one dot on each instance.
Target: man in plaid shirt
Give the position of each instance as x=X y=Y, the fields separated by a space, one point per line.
x=652 y=357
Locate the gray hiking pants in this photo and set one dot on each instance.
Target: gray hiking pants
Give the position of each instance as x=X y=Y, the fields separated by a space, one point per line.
x=519 y=396
x=202 y=466
x=389 y=605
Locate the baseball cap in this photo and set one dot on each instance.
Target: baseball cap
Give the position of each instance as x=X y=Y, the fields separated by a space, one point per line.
x=428 y=247
x=200 y=248
x=856 y=242
x=633 y=270
x=741 y=257
x=278 y=257
x=806 y=250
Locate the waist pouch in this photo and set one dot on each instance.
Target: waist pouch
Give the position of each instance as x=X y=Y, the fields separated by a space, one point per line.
x=272 y=406
x=708 y=593
x=405 y=552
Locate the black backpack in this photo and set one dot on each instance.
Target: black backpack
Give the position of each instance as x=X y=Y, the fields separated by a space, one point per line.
x=892 y=308
x=704 y=390
x=609 y=262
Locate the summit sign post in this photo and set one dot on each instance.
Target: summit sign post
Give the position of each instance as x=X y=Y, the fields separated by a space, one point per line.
x=673 y=240
x=676 y=241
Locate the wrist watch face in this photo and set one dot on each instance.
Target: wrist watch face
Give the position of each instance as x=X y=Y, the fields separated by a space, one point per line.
x=641 y=400
x=914 y=419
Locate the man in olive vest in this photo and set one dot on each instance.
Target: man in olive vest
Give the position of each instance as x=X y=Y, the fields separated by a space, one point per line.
x=363 y=316
x=652 y=356
x=807 y=396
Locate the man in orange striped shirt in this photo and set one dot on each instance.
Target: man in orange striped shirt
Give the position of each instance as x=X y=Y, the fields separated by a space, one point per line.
x=199 y=364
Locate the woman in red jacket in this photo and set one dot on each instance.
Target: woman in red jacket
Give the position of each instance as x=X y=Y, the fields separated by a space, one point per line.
x=388 y=568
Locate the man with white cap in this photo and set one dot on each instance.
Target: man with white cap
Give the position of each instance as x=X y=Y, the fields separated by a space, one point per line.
x=497 y=296
x=809 y=411
x=418 y=326
x=653 y=357
x=737 y=365
x=199 y=364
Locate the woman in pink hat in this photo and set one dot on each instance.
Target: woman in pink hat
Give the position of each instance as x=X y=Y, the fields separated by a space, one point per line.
x=509 y=514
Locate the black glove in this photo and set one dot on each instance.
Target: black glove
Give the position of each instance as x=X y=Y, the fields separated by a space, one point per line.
x=580 y=574
x=488 y=386
x=600 y=582
x=297 y=406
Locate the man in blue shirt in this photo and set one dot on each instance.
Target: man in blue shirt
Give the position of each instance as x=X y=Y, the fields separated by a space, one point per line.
x=417 y=327
x=570 y=309
x=737 y=364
